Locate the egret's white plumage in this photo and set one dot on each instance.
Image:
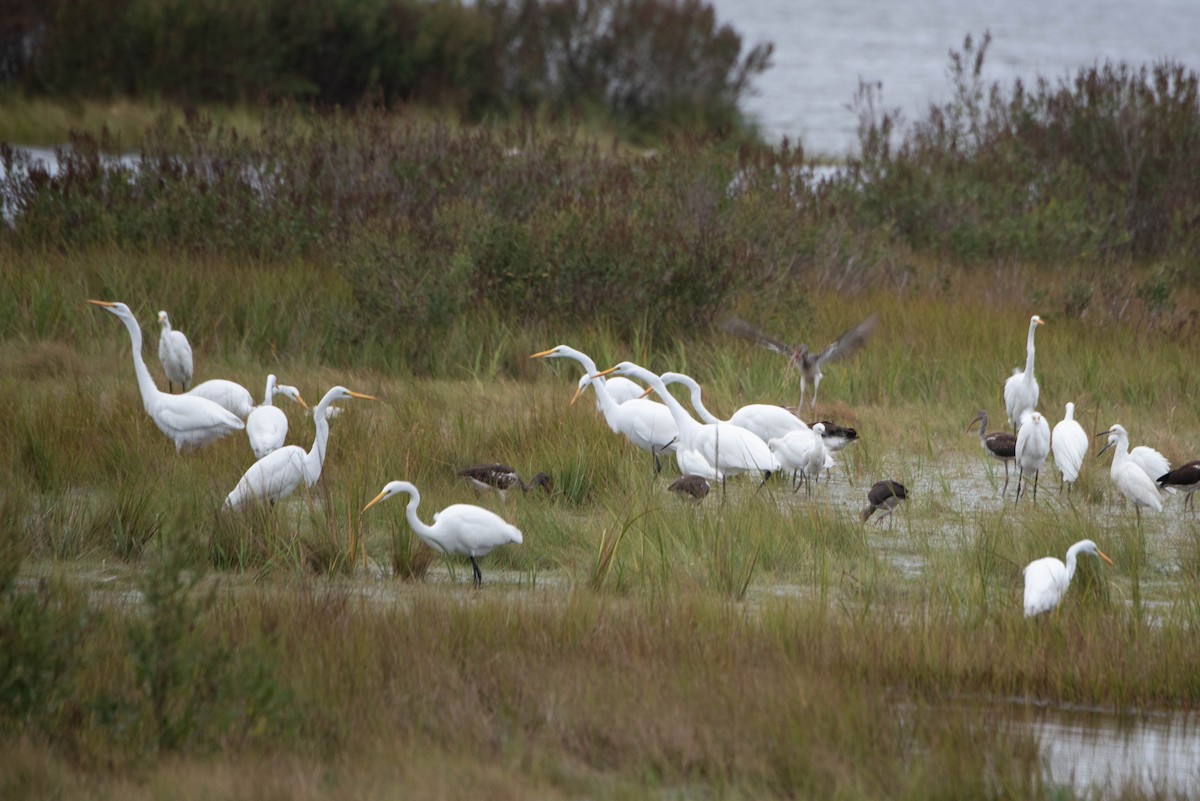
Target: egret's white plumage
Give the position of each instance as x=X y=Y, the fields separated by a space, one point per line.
x=227 y=394
x=175 y=353
x=761 y=419
x=619 y=389
x=802 y=452
x=279 y=473
x=1033 y=446
x=1069 y=443
x=1047 y=579
x=727 y=448
x=189 y=422
x=1021 y=388
x=648 y=425
x=1133 y=482
x=267 y=425
x=463 y=529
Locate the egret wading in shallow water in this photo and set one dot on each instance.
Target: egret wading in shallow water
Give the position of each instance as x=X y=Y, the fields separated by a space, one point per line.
x=802 y=452
x=1130 y=478
x=997 y=444
x=1185 y=479
x=809 y=363
x=279 y=473
x=883 y=496
x=500 y=478
x=727 y=448
x=267 y=425
x=1047 y=579
x=1069 y=443
x=462 y=529
x=175 y=353
x=1033 y=446
x=619 y=389
x=189 y=422
x=1021 y=388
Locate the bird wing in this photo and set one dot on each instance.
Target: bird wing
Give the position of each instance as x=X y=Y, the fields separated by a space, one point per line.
x=740 y=328
x=1045 y=584
x=266 y=428
x=473 y=530
x=849 y=343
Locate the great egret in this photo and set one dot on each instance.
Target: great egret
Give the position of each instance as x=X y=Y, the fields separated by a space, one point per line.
x=727 y=448
x=808 y=362
x=189 y=422
x=648 y=425
x=619 y=389
x=463 y=529
x=279 y=473
x=175 y=353
x=267 y=425
x=1130 y=478
x=997 y=444
x=1047 y=579
x=802 y=452
x=1021 y=388
x=227 y=394
x=1069 y=443
x=501 y=478
x=689 y=488
x=1185 y=479
x=883 y=496
x=1033 y=446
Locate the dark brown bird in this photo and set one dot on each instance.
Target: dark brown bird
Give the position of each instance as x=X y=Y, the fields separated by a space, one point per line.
x=501 y=478
x=808 y=362
x=997 y=444
x=837 y=437
x=1185 y=479
x=886 y=496
x=690 y=488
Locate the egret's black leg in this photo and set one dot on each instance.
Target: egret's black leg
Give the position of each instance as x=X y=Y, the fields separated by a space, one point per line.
x=478 y=575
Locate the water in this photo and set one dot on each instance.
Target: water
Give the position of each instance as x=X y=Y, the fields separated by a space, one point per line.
x=823 y=48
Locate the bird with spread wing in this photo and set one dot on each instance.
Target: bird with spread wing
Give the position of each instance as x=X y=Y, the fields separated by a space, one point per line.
x=807 y=361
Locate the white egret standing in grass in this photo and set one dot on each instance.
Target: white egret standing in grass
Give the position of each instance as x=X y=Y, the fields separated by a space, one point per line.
x=228 y=394
x=500 y=478
x=999 y=445
x=175 y=353
x=463 y=529
x=267 y=425
x=189 y=422
x=619 y=389
x=761 y=419
x=1047 y=579
x=648 y=425
x=886 y=496
x=1021 y=388
x=279 y=473
x=1069 y=443
x=1033 y=446
x=1130 y=478
x=1185 y=479
x=808 y=362
x=729 y=449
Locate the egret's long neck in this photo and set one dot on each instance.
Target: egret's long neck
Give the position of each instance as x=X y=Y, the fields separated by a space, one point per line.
x=604 y=401
x=686 y=424
x=1121 y=450
x=1029 y=350
x=269 y=395
x=145 y=382
x=315 y=458
x=423 y=531
x=586 y=361
x=1072 y=560
x=698 y=404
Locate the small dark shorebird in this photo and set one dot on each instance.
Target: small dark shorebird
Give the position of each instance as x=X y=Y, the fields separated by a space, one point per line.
x=1185 y=479
x=690 y=488
x=997 y=444
x=885 y=496
x=501 y=478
